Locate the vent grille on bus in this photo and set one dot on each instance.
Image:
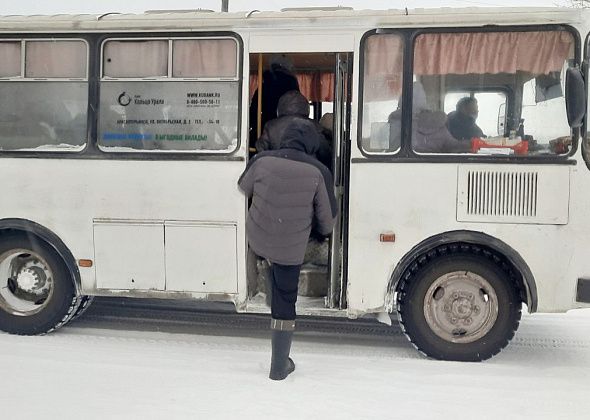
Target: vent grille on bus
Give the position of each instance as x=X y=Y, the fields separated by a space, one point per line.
x=506 y=193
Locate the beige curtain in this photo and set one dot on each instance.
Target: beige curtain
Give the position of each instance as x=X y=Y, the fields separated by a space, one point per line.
x=383 y=62
x=135 y=58
x=9 y=59
x=493 y=52
x=204 y=58
x=65 y=59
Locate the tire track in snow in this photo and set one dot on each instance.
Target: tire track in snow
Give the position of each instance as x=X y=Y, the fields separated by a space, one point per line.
x=193 y=320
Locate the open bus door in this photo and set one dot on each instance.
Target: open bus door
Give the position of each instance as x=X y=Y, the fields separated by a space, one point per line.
x=319 y=61
x=341 y=142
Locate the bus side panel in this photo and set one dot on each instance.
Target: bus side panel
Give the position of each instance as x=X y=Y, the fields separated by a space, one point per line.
x=72 y=196
x=416 y=201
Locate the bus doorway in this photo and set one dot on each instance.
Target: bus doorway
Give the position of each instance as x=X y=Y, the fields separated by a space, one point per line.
x=323 y=79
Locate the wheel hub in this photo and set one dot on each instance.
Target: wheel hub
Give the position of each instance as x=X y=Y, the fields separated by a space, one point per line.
x=28 y=282
x=31 y=280
x=461 y=307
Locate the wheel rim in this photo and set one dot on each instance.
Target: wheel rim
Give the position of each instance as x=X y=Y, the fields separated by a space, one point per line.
x=26 y=282
x=461 y=307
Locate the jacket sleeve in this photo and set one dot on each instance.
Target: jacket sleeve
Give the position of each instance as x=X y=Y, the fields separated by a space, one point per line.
x=449 y=144
x=325 y=207
x=263 y=142
x=246 y=181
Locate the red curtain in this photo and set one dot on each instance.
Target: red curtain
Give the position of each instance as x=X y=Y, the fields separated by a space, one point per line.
x=316 y=87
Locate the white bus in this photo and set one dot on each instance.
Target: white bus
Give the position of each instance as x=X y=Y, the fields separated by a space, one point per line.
x=122 y=138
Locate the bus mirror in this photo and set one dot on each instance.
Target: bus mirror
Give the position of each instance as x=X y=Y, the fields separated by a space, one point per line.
x=575 y=97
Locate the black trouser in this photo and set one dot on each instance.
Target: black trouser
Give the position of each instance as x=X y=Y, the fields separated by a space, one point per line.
x=285 y=279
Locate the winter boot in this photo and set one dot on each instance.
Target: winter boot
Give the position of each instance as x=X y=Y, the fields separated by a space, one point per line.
x=281 y=364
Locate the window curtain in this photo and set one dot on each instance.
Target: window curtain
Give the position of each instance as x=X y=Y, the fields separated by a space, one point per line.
x=55 y=59
x=135 y=58
x=492 y=52
x=9 y=59
x=316 y=87
x=204 y=58
x=383 y=61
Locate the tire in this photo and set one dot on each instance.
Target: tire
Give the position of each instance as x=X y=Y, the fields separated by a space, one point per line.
x=85 y=302
x=459 y=306
x=37 y=293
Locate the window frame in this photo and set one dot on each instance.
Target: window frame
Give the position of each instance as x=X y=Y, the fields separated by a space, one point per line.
x=406 y=153
x=169 y=154
x=169 y=77
x=403 y=34
x=75 y=150
x=23 y=54
x=508 y=93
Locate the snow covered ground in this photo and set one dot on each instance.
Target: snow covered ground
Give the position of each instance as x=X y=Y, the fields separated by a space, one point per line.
x=104 y=367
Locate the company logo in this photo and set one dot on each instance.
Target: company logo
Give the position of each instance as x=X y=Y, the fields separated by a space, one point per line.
x=124 y=99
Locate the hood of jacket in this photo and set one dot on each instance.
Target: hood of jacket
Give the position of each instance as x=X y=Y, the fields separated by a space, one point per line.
x=301 y=135
x=429 y=122
x=293 y=103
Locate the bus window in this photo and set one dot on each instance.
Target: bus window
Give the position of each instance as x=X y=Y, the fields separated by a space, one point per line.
x=189 y=58
x=10 y=63
x=382 y=87
x=49 y=91
x=135 y=59
x=491 y=105
x=528 y=64
x=48 y=59
x=169 y=95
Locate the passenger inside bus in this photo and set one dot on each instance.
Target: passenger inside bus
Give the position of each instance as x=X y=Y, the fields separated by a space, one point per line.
x=461 y=122
x=292 y=106
x=429 y=128
x=277 y=80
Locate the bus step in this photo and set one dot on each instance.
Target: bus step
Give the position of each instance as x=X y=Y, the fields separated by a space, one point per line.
x=313 y=281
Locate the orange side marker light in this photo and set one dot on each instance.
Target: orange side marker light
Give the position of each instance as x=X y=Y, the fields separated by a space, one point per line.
x=85 y=263
x=387 y=237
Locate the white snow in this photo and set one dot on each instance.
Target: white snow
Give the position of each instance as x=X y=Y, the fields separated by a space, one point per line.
x=83 y=372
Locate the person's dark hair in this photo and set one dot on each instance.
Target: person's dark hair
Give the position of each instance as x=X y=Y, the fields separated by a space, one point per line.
x=293 y=103
x=463 y=102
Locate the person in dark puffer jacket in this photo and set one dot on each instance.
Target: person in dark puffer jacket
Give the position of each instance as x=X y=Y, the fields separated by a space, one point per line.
x=292 y=193
x=292 y=106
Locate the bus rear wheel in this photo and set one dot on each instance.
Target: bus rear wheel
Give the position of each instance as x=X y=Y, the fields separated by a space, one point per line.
x=459 y=307
x=37 y=294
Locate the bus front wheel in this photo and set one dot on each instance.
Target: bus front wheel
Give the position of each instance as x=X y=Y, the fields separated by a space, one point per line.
x=37 y=294
x=460 y=307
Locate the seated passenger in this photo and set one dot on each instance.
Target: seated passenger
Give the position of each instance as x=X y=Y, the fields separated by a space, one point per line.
x=429 y=130
x=292 y=106
x=461 y=122
x=430 y=134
